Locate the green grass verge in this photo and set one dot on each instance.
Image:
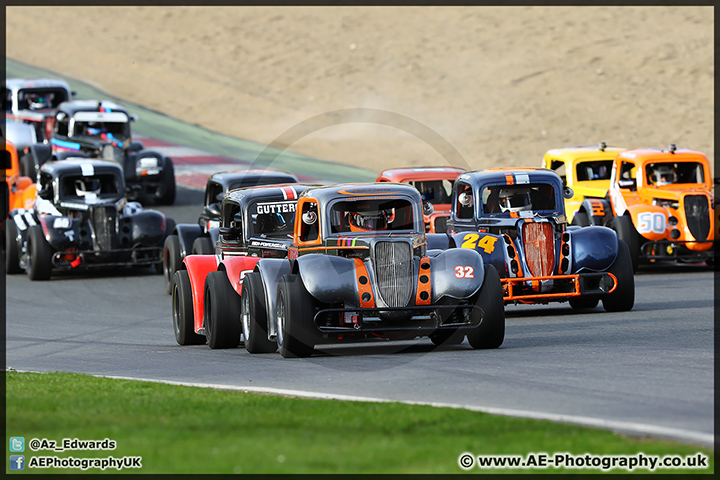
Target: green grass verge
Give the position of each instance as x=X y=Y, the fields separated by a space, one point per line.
x=157 y=125
x=179 y=429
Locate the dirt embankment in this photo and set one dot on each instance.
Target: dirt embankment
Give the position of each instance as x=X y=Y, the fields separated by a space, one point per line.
x=384 y=86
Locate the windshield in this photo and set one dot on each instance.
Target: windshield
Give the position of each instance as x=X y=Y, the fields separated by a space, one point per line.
x=371 y=215
x=518 y=197
x=90 y=189
x=594 y=170
x=40 y=98
x=272 y=219
x=670 y=173
x=104 y=130
x=434 y=191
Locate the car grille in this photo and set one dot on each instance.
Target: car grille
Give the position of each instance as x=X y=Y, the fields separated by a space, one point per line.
x=539 y=246
x=104 y=222
x=393 y=267
x=697 y=213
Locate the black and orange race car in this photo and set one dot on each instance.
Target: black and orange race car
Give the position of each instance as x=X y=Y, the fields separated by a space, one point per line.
x=435 y=186
x=358 y=268
x=661 y=203
x=200 y=238
x=515 y=218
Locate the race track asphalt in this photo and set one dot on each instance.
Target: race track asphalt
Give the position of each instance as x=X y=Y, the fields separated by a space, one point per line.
x=647 y=371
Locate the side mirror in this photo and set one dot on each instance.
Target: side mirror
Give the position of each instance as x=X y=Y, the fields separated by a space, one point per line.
x=568 y=192
x=627 y=184
x=212 y=210
x=428 y=208
x=134 y=117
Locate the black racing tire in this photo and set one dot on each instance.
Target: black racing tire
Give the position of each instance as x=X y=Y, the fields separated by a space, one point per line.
x=626 y=232
x=10 y=247
x=491 y=332
x=28 y=167
x=623 y=298
x=182 y=310
x=165 y=194
x=580 y=219
x=221 y=318
x=254 y=316
x=172 y=260
x=295 y=311
x=447 y=337
x=580 y=303
x=39 y=254
x=203 y=246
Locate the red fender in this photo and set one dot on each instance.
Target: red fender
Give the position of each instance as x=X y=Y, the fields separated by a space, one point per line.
x=198 y=268
x=236 y=269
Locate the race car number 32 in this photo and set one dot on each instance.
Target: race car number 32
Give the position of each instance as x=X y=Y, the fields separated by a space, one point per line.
x=464 y=272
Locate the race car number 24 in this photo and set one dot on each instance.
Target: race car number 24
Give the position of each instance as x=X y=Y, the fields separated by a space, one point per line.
x=487 y=242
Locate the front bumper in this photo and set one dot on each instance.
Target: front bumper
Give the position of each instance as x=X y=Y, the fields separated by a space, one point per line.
x=557 y=288
x=75 y=259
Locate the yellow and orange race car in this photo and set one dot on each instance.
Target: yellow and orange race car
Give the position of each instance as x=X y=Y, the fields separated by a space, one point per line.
x=661 y=203
x=435 y=186
x=585 y=169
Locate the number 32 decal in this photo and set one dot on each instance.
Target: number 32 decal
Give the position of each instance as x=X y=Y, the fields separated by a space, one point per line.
x=464 y=272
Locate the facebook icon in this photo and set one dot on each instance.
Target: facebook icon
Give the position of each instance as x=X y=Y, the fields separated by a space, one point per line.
x=17 y=462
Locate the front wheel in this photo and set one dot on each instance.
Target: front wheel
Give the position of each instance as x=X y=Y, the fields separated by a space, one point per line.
x=222 y=312
x=626 y=232
x=182 y=310
x=254 y=316
x=491 y=332
x=171 y=260
x=295 y=312
x=165 y=194
x=11 y=248
x=623 y=298
x=39 y=254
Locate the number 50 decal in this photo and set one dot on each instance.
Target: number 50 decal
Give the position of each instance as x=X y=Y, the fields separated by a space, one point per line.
x=651 y=222
x=464 y=272
x=487 y=243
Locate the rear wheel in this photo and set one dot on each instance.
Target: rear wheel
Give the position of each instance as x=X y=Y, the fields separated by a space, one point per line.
x=254 y=316
x=626 y=232
x=581 y=219
x=39 y=254
x=295 y=311
x=222 y=312
x=623 y=298
x=491 y=332
x=171 y=259
x=11 y=248
x=203 y=246
x=182 y=309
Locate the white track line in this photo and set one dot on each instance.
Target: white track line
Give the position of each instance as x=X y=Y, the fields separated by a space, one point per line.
x=632 y=428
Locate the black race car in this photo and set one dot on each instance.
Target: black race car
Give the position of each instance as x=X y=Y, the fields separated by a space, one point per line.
x=200 y=238
x=101 y=129
x=81 y=219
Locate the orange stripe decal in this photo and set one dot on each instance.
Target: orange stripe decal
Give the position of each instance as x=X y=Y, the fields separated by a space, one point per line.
x=509 y=179
x=424 y=293
x=363 y=282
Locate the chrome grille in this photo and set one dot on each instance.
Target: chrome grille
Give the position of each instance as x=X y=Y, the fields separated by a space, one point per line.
x=393 y=268
x=104 y=221
x=697 y=213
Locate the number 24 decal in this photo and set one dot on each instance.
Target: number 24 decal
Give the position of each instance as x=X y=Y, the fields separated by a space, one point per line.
x=464 y=272
x=487 y=242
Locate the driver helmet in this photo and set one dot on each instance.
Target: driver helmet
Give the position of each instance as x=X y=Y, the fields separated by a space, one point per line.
x=95 y=128
x=37 y=101
x=514 y=199
x=367 y=218
x=87 y=186
x=664 y=175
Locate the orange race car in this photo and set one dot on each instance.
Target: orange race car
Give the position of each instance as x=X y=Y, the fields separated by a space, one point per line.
x=661 y=203
x=435 y=186
x=19 y=191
